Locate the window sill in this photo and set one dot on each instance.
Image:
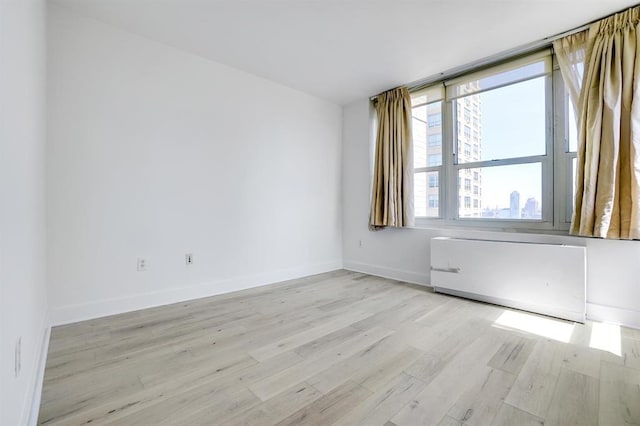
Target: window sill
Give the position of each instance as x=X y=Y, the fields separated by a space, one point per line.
x=494 y=226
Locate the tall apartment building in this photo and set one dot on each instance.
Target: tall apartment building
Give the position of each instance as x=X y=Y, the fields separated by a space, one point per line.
x=469 y=134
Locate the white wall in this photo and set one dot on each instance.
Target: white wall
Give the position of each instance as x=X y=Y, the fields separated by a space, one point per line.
x=613 y=267
x=154 y=153
x=23 y=304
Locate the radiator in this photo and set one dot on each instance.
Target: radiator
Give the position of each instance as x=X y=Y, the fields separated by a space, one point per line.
x=543 y=278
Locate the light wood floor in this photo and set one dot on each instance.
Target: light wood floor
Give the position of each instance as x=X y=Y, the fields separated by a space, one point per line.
x=340 y=348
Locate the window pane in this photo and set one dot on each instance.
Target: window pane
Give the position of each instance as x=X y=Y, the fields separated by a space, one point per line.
x=507 y=122
x=488 y=79
x=428 y=95
x=574 y=169
x=503 y=192
x=573 y=131
x=419 y=134
x=426 y=194
x=427 y=136
x=469 y=192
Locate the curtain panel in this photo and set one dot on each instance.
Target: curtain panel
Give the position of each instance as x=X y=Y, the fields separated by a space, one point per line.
x=601 y=69
x=392 y=192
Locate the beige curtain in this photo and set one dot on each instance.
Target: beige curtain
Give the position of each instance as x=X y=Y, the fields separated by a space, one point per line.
x=392 y=195
x=601 y=68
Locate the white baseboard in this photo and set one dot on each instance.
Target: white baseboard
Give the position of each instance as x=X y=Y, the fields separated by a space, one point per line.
x=620 y=316
x=31 y=406
x=85 y=311
x=419 y=278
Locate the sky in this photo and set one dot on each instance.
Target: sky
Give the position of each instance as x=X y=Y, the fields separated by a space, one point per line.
x=513 y=125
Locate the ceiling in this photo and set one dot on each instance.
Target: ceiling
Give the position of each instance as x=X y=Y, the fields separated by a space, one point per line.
x=345 y=50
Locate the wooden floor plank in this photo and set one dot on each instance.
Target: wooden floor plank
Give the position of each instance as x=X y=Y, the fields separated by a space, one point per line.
x=383 y=404
x=575 y=400
x=464 y=372
x=619 y=395
x=294 y=341
x=279 y=407
x=303 y=371
x=535 y=385
x=509 y=415
x=330 y=407
x=513 y=354
x=480 y=404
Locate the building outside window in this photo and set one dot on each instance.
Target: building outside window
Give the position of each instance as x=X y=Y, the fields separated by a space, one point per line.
x=435 y=160
x=435 y=120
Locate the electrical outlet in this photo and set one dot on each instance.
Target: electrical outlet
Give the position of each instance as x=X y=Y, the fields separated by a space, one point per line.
x=17 y=363
x=142 y=264
x=360 y=243
x=188 y=258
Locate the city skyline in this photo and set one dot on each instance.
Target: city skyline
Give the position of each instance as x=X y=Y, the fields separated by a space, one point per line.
x=516 y=210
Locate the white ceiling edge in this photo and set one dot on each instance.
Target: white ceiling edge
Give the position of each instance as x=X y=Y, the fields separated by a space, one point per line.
x=345 y=50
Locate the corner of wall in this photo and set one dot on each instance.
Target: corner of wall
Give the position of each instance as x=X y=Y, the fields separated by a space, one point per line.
x=31 y=406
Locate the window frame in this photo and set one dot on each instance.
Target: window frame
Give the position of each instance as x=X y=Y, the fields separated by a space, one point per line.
x=556 y=162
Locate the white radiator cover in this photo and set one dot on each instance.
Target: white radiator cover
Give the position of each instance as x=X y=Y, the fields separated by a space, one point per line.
x=543 y=278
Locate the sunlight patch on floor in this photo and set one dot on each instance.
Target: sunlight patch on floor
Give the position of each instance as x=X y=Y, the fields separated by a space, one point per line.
x=606 y=337
x=534 y=324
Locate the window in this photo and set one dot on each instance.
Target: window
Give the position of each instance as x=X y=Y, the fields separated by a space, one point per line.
x=435 y=120
x=435 y=140
x=506 y=147
x=427 y=118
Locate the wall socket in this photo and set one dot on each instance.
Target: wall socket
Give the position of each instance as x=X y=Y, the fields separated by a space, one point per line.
x=188 y=258
x=17 y=363
x=142 y=264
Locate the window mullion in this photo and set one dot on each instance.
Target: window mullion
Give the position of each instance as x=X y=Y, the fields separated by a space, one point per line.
x=426 y=169
x=563 y=202
x=501 y=162
x=449 y=191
